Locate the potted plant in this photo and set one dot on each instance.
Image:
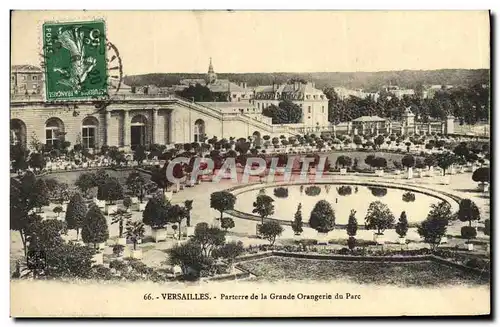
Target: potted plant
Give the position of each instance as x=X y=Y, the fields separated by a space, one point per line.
x=120 y=217
x=379 y=218
x=76 y=213
x=408 y=161
x=95 y=231
x=468 y=212
x=297 y=222
x=118 y=250
x=322 y=219
x=155 y=216
x=127 y=203
x=402 y=228
x=344 y=161
x=111 y=191
x=352 y=229
x=135 y=232
x=137 y=185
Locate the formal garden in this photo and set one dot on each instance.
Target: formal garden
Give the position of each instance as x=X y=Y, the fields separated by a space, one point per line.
x=113 y=215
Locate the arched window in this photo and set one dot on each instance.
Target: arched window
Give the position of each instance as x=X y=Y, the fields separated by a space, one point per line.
x=54 y=129
x=199 y=130
x=89 y=132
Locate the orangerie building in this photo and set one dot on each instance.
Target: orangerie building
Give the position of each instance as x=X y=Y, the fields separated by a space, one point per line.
x=156 y=118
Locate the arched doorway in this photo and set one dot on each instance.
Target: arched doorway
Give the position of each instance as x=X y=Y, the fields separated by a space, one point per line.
x=256 y=138
x=138 y=131
x=199 y=130
x=54 y=131
x=90 y=132
x=17 y=132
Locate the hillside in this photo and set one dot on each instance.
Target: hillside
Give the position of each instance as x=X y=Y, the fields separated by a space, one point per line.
x=365 y=80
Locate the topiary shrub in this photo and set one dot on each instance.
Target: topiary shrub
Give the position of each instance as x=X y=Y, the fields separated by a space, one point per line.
x=281 y=192
x=351 y=243
x=468 y=232
x=408 y=197
x=344 y=190
x=313 y=190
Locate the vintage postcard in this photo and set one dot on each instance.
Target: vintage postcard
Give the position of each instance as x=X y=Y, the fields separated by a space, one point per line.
x=250 y=163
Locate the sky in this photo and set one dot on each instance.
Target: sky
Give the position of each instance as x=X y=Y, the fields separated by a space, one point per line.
x=275 y=41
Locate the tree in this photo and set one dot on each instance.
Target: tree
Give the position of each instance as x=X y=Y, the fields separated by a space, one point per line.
x=344 y=161
x=112 y=190
x=37 y=161
x=222 y=201
x=297 y=222
x=351 y=242
x=40 y=195
x=357 y=140
x=379 y=140
x=481 y=175
x=85 y=182
x=487 y=227
x=322 y=217
x=95 y=229
x=286 y=112
x=270 y=230
x=352 y=224
x=468 y=211
x=135 y=231
x=408 y=161
x=19 y=155
x=434 y=227
x=230 y=251
x=69 y=260
x=136 y=184
x=188 y=204
x=445 y=160
x=176 y=214
x=186 y=255
x=209 y=238
x=370 y=160
x=120 y=217
x=402 y=225
x=155 y=214
x=76 y=213
x=227 y=223
x=140 y=154
x=57 y=210
x=379 y=217
x=127 y=202
x=263 y=206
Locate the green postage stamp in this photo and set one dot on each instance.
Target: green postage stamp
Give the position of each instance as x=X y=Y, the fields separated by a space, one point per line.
x=75 y=60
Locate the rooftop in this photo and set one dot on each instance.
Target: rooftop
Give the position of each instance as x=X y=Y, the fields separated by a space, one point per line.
x=26 y=68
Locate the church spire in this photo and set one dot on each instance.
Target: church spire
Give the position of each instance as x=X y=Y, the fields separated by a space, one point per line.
x=211 y=76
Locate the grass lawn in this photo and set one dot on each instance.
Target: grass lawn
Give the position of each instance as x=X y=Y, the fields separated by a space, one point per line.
x=382 y=273
x=361 y=156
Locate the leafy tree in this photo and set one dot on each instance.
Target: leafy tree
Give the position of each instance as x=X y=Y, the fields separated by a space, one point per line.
x=176 y=214
x=402 y=225
x=286 y=112
x=135 y=231
x=18 y=156
x=487 y=227
x=188 y=204
x=57 y=210
x=352 y=224
x=69 y=260
x=445 y=160
x=140 y=154
x=297 y=222
x=186 y=255
x=37 y=161
x=481 y=175
x=112 y=190
x=227 y=223
x=198 y=93
x=85 y=182
x=120 y=217
x=351 y=242
x=434 y=227
x=155 y=214
x=95 y=229
x=344 y=161
x=76 y=213
x=379 y=217
x=379 y=140
x=40 y=195
x=357 y=140
x=209 y=238
x=322 y=217
x=263 y=206
x=127 y=202
x=222 y=201
x=370 y=160
x=468 y=211
x=270 y=230
x=136 y=184
x=408 y=161
x=230 y=251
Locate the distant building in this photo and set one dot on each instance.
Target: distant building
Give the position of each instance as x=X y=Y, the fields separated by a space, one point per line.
x=344 y=93
x=222 y=89
x=313 y=102
x=26 y=79
x=398 y=92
